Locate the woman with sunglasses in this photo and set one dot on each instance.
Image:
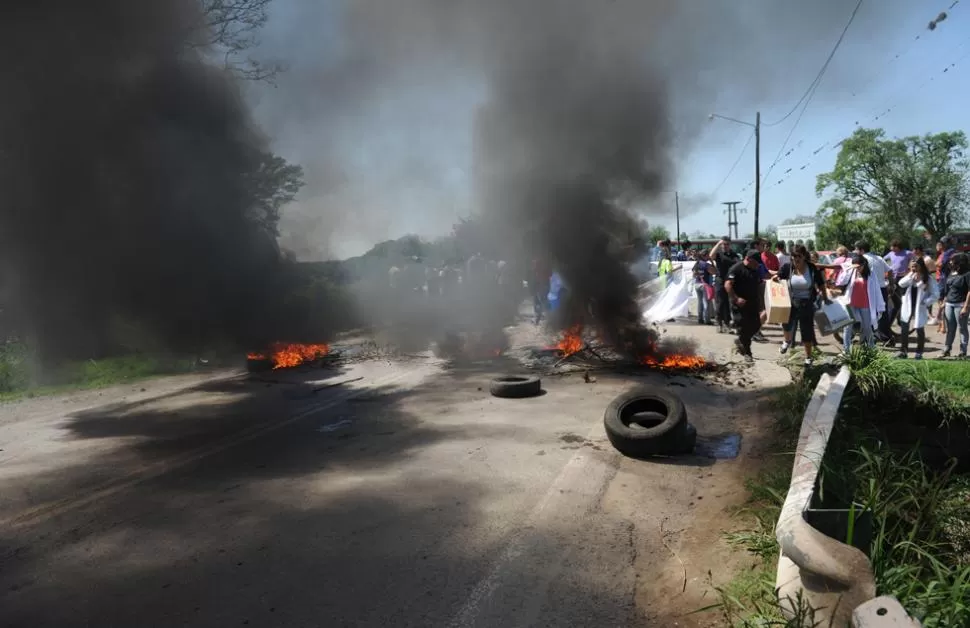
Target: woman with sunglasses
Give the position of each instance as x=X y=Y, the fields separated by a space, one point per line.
x=919 y=293
x=806 y=283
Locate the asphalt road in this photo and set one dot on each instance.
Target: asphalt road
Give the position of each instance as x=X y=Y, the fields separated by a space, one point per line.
x=379 y=494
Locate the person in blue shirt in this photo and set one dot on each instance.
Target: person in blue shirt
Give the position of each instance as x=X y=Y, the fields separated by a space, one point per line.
x=704 y=272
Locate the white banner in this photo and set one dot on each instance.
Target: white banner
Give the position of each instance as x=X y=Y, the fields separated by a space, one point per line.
x=672 y=301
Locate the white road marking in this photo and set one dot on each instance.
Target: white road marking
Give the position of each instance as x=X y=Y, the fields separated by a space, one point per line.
x=513 y=592
x=156 y=469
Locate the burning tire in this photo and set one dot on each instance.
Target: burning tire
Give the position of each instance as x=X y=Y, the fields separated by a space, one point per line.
x=515 y=387
x=648 y=422
x=259 y=365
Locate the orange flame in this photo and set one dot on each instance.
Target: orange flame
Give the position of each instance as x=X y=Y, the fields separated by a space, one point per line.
x=286 y=355
x=675 y=362
x=572 y=340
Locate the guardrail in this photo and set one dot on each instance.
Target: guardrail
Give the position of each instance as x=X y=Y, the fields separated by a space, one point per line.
x=815 y=570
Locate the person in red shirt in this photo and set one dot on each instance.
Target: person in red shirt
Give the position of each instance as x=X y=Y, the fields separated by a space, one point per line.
x=769 y=259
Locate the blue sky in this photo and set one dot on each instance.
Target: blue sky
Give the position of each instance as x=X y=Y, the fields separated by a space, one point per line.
x=405 y=157
x=912 y=90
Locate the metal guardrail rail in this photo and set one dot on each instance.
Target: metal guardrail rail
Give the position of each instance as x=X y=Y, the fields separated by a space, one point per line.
x=834 y=579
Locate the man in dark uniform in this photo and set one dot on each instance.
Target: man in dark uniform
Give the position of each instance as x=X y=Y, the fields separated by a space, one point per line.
x=744 y=288
x=724 y=259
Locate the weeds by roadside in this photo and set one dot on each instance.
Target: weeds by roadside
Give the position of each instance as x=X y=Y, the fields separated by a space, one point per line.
x=920 y=546
x=17 y=380
x=749 y=600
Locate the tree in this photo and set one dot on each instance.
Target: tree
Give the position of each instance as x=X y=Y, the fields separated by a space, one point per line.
x=916 y=181
x=839 y=224
x=798 y=219
x=231 y=29
x=770 y=233
x=656 y=234
x=274 y=183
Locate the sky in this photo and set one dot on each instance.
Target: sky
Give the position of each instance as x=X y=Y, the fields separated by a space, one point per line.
x=412 y=135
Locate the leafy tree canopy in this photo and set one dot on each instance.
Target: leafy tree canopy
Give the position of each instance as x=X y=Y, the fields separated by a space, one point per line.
x=274 y=183
x=901 y=184
x=656 y=234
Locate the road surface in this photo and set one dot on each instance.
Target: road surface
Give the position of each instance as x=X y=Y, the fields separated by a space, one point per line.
x=374 y=494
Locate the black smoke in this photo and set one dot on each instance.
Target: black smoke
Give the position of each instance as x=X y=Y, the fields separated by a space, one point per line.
x=126 y=183
x=572 y=136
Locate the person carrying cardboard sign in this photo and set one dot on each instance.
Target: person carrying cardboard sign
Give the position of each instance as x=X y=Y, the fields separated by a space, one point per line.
x=806 y=283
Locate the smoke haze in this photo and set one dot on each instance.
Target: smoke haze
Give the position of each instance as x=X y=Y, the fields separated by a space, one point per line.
x=124 y=186
x=126 y=156
x=378 y=91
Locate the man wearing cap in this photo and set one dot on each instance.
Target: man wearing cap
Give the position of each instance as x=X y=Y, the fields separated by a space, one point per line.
x=744 y=288
x=724 y=259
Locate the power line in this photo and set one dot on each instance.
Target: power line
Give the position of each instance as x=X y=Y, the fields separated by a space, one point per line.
x=883 y=111
x=818 y=78
x=736 y=162
x=835 y=142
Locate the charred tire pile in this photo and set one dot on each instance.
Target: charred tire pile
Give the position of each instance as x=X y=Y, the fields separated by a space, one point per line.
x=515 y=387
x=649 y=422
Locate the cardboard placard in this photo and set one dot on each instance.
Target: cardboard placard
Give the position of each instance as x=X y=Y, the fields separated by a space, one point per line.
x=777 y=301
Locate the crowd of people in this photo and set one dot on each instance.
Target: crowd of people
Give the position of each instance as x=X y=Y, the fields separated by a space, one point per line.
x=907 y=287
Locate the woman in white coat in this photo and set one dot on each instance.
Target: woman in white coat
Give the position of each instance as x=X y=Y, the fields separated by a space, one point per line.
x=863 y=295
x=920 y=292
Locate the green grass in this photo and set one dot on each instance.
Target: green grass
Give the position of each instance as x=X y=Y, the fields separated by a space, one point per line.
x=921 y=517
x=921 y=538
x=952 y=375
x=749 y=599
x=16 y=381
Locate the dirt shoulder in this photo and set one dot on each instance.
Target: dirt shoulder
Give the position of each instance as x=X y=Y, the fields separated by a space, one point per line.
x=680 y=511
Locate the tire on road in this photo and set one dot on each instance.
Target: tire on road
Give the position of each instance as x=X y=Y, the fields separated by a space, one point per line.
x=649 y=422
x=515 y=386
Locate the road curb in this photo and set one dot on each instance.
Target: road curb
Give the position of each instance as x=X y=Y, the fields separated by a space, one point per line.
x=834 y=579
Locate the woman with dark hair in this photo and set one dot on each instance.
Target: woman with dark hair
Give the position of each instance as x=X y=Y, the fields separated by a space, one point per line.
x=956 y=303
x=806 y=283
x=865 y=300
x=919 y=293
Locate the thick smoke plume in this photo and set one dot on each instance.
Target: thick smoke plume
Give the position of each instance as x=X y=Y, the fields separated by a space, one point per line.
x=126 y=183
x=580 y=111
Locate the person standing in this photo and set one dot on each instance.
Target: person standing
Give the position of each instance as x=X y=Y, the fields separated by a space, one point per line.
x=919 y=292
x=704 y=288
x=744 y=287
x=898 y=260
x=806 y=284
x=724 y=259
x=539 y=282
x=942 y=268
x=665 y=268
x=879 y=270
x=956 y=303
x=865 y=300
x=780 y=254
x=769 y=259
x=930 y=262
x=760 y=246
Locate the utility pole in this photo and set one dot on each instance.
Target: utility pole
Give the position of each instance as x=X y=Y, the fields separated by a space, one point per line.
x=732 y=214
x=757 y=163
x=757 y=172
x=677 y=206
